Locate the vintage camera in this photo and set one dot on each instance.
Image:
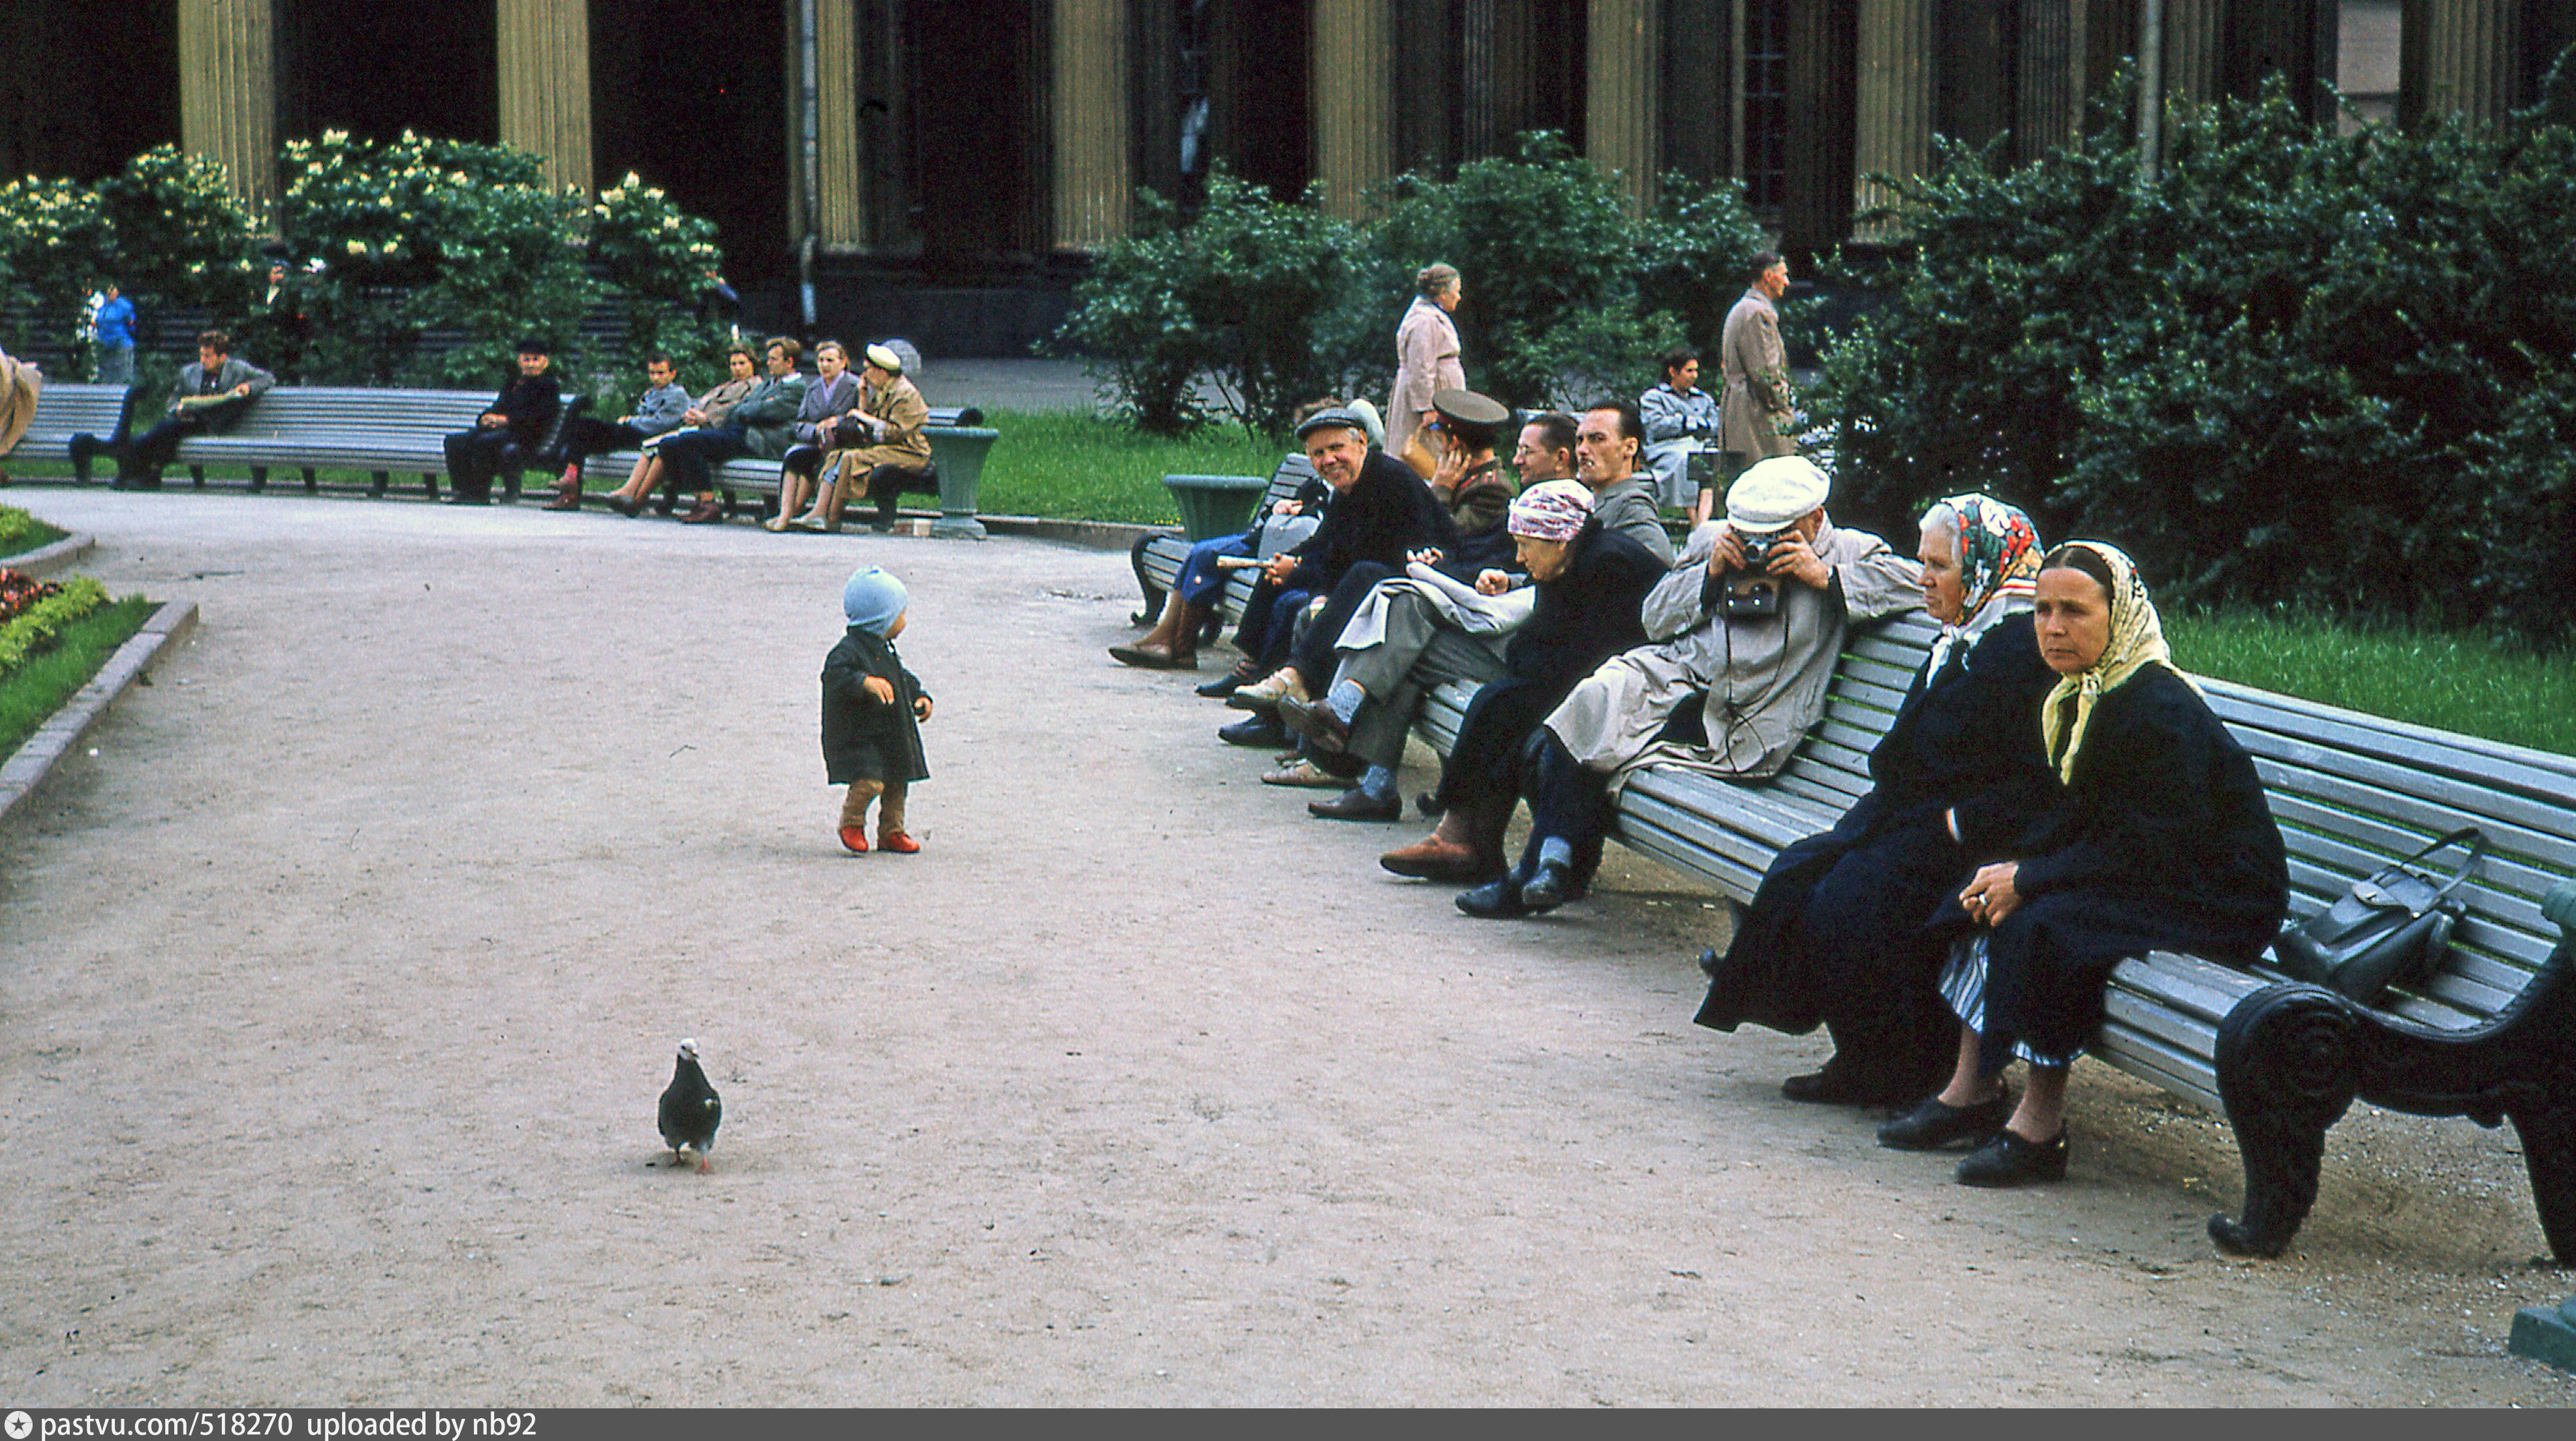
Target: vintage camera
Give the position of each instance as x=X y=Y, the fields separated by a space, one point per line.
x=1749 y=591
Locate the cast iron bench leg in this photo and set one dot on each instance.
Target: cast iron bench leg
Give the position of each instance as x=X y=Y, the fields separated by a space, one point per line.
x=197 y=473
x=312 y=482
x=2286 y=1071
x=258 y=479
x=382 y=479
x=429 y=482
x=1153 y=610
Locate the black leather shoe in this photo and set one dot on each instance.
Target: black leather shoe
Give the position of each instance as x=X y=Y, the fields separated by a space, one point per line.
x=1261 y=730
x=1357 y=805
x=1842 y=1085
x=1429 y=804
x=1931 y=1125
x=1551 y=887
x=2008 y=1160
x=1494 y=900
x=1316 y=722
x=1219 y=688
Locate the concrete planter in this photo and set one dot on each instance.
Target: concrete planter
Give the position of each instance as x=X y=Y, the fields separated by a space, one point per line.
x=959 y=451
x=1215 y=505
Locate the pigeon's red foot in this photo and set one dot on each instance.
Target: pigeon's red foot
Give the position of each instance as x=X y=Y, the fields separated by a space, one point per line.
x=704 y=1165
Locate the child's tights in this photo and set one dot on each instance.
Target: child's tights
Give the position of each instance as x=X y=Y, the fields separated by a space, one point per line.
x=854 y=807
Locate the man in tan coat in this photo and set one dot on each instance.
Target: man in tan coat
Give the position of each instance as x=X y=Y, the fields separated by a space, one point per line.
x=1756 y=412
x=891 y=416
x=20 y=385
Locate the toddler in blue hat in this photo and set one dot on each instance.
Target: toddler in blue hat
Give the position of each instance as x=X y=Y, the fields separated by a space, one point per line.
x=872 y=710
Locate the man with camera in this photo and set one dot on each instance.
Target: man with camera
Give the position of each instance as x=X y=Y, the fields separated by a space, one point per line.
x=1749 y=623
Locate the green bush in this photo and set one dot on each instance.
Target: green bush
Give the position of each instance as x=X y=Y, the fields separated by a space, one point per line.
x=420 y=232
x=1568 y=295
x=656 y=260
x=54 y=245
x=2294 y=366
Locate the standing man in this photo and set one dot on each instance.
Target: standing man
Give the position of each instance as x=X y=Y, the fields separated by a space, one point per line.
x=1757 y=411
x=519 y=416
x=114 y=325
x=209 y=396
x=1606 y=451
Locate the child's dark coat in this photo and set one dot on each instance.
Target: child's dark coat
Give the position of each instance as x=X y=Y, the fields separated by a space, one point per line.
x=865 y=739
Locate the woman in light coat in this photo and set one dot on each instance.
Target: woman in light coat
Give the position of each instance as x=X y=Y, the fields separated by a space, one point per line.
x=20 y=384
x=1426 y=353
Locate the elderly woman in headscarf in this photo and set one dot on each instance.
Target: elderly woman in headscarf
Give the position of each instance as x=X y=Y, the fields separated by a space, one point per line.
x=2161 y=840
x=1589 y=586
x=1835 y=932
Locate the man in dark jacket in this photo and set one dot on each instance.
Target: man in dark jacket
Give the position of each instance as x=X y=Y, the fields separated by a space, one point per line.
x=208 y=399
x=519 y=416
x=1381 y=512
x=1588 y=586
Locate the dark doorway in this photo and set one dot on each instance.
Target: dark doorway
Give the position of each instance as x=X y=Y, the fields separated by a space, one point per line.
x=82 y=89
x=974 y=79
x=693 y=98
x=1258 y=93
x=378 y=70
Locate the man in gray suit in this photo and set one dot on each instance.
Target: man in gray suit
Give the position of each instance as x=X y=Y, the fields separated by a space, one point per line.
x=208 y=398
x=1757 y=409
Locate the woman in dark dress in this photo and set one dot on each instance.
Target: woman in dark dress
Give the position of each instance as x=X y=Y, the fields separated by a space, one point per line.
x=1590 y=585
x=2162 y=841
x=1835 y=933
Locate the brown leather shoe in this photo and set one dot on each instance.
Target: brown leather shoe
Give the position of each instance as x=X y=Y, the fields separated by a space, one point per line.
x=565 y=500
x=1434 y=859
x=706 y=513
x=1153 y=655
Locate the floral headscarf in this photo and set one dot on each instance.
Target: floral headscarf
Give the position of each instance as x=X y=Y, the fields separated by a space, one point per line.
x=1998 y=552
x=2137 y=641
x=1551 y=510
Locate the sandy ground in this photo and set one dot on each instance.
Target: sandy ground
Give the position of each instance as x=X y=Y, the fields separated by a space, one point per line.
x=336 y=990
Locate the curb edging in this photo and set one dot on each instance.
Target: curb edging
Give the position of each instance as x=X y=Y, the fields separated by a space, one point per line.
x=25 y=771
x=46 y=559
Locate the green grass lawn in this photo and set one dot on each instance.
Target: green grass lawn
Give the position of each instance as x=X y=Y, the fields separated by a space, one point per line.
x=1076 y=467
x=21 y=533
x=31 y=694
x=2454 y=682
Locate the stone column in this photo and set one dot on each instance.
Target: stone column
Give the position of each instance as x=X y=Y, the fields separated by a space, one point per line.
x=1088 y=109
x=1354 y=101
x=1893 y=133
x=841 y=211
x=228 y=91
x=2050 y=106
x=2194 y=33
x=544 y=52
x=1623 y=94
x=2468 y=57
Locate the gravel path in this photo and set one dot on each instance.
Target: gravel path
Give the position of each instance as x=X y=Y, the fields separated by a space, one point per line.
x=336 y=989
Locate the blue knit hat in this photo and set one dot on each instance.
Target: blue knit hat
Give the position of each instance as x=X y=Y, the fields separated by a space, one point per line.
x=873 y=599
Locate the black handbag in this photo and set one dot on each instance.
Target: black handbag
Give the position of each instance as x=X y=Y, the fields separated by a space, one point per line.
x=2390 y=929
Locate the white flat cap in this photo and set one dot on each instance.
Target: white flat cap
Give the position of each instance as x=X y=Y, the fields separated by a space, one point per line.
x=885 y=359
x=1774 y=493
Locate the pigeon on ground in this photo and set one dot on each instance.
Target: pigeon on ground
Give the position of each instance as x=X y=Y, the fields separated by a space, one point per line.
x=690 y=1110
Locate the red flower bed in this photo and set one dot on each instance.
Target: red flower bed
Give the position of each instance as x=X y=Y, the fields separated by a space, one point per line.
x=18 y=591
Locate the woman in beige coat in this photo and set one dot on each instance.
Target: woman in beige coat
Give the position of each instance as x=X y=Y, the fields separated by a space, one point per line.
x=20 y=384
x=1426 y=353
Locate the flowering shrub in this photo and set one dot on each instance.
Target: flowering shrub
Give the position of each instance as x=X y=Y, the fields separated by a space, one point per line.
x=176 y=233
x=400 y=236
x=33 y=613
x=54 y=244
x=657 y=260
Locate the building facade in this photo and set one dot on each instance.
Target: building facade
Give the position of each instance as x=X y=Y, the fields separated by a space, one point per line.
x=986 y=145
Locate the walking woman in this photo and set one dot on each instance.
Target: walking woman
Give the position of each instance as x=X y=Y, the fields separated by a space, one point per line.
x=1426 y=354
x=2162 y=841
x=1835 y=933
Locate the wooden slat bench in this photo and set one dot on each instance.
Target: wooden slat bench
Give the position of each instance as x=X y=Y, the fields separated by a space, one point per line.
x=1157 y=559
x=2490 y=1036
x=958 y=443
x=64 y=411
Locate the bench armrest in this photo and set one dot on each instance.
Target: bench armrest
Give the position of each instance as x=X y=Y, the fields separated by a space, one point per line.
x=2560 y=906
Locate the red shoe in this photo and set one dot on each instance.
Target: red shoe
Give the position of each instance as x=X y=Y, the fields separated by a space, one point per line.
x=898 y=843
x=856 y=838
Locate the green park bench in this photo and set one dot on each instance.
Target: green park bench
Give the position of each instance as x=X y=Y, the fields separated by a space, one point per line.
x=2490 y=1035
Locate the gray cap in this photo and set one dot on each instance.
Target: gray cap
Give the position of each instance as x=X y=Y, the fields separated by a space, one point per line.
x=1338 y=417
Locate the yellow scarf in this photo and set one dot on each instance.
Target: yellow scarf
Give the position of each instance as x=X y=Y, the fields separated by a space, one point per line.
x=2137 y=641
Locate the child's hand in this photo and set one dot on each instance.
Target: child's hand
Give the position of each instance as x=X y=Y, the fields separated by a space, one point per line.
x=921 y=707
x=878 y=689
